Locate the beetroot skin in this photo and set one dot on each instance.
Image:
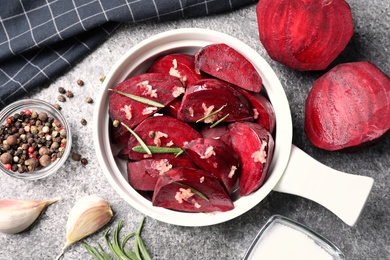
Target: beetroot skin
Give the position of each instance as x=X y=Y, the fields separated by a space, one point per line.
x=304 y=34
x=349 y=106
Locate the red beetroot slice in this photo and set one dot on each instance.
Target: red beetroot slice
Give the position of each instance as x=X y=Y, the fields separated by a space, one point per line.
x=304 y=34
x=264 y=113
x=172 y=108
x=143 y=174
x=220 y=132
x=209 y=95
x=224 y=62
x=163 y=131
x=169 y=194
x=347 y=107
x=254 y=145
x=178 y=65
x=216 y=157
x=158 y=87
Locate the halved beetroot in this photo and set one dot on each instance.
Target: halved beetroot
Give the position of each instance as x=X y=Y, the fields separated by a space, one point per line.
x=304 y=34
x=143 y=174
x=178 y=65
x=209 y=95
x=217 y=157
x=163 y=131
x=158 y=87
x=170 y=194
x=264 y=113
x=224 y=62
x=349 y=106
x=254 y=145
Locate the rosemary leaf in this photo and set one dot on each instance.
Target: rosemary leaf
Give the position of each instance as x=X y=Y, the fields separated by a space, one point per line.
x=219 y=121
x=130 y=254
x=143 y=250
x=94 y=252
x=212 y=113
x=139 y=99
x=141 y=142
x=158 y=149
x=124 y=241
x=200 y=194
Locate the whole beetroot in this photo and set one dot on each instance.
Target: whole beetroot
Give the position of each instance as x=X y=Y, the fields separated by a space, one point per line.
x=304 y=34
x=349 y=106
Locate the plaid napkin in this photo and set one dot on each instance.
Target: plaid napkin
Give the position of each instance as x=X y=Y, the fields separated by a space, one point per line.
x=40 y=39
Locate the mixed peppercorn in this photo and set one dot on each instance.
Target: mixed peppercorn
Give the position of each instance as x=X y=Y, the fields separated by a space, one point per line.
x=31 y=140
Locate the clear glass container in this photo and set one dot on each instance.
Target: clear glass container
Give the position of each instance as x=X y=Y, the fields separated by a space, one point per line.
x=37 y=106
x=284 y=239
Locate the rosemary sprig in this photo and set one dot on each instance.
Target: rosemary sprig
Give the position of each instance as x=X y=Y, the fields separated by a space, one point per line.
x=211 y=114
x=139 y=139
x=200 y=194
x=219 y=121
x=139 y=99
x=158 y=149
x=118 y=248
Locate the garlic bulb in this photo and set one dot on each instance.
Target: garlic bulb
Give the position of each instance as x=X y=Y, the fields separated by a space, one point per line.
x=89 y=214
x=18 y=215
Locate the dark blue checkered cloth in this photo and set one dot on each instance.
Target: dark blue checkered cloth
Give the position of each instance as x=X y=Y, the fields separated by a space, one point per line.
x=41 y=39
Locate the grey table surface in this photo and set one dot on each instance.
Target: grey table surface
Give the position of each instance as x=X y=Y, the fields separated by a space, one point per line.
x=368 y=239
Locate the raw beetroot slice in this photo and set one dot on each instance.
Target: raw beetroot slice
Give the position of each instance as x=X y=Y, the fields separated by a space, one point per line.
x=347 y=107
x=170 y=194
x=254 y=145
x=158 y=87
x=143 y=174
x=209 y=95
x=162 y=131
x=217 y=157
x=224 y=62
x=178 y=65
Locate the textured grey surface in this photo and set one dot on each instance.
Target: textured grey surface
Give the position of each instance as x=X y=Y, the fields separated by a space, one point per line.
x=368 y=239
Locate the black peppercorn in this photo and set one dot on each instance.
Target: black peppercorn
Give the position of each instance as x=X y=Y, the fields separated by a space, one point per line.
x=84 y=161
x=83 y=121
x=61 y=98
x=61 y=90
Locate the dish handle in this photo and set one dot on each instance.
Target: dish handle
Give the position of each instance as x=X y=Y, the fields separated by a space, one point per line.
x=342 y=193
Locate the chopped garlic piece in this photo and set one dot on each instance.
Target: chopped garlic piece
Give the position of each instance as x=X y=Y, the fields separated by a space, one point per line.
x=162 y=166
x=147 y=89
x=196 y=204
x=255 y=113
x=232 y=171
x=208 y=153
x=157 y=136
x=261 y=155
x=191 y=110
x=177 y=91
x=183 y=195
x=127 y=109
x=170 y=143
x=174 y=62
x=201 y=180
x=207 y=111
x=148 y=110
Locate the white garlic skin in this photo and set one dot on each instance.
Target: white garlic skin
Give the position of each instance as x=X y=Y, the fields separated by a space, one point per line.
x=89 y=214
x=17 y=215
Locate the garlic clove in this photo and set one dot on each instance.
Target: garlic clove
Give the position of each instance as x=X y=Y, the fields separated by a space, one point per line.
x=88 y=215
x=18 y=215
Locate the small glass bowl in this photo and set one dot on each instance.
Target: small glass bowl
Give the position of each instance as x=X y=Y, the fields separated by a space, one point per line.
x=38 y=106
x=282 y=238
